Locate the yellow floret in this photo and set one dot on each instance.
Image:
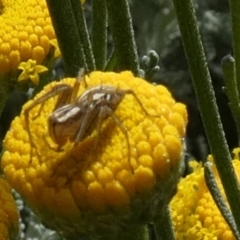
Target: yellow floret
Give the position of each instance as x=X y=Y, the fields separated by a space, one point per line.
x=194 y=212
x=95 y=179
x=9 y=214
x=30 y=70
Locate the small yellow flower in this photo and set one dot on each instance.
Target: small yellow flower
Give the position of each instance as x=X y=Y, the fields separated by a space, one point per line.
x=31 y=71
x=9 y=214
x=89 y=188
x=194 y=212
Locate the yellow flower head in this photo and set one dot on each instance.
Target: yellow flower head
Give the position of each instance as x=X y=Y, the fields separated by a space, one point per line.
x=194 y=212
x=9 y=214
x=25 y=32
x=30 y=70
x=93 y=184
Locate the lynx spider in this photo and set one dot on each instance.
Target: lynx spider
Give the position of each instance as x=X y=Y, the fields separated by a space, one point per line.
x=74 y=117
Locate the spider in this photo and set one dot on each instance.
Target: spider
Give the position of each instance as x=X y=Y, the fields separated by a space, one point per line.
x=74 y=117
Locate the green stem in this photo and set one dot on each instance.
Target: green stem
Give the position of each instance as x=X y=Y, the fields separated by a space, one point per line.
x=229 y=73
x=126 y=232
x=234 y=10
x=67 y=35
x=83 y=33
x=207 y=102
x=99 y=32
x=218 y=198
x=164 y=228
x=134 y=232
x=123 y=37
x=111 y=62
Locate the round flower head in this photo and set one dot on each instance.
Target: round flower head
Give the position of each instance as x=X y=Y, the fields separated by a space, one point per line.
x=194 y=212
x=9 y=214
x=26 y=32
x=121 y=170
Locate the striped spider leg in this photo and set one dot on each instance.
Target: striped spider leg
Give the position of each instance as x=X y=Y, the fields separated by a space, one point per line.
x=99 y=103
x=67 y=96
x=74 y=117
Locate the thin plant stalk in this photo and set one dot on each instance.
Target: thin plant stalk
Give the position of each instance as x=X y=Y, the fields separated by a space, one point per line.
x=99 y=32
x=120 y=22
x=66 y=31
x=235 y=10
x=218 y=198
x=164 y=227
x=83 y=34
x=207 y=102
x=229 y=74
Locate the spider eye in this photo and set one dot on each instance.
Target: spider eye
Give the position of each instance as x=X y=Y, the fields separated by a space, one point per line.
x=97 y=96
x=108 y=97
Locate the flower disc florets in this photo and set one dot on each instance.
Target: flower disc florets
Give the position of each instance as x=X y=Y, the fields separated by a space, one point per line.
x=94 y=185
x=194 y=212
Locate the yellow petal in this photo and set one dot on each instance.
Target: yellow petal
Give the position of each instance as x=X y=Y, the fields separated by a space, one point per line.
x=40 y=69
